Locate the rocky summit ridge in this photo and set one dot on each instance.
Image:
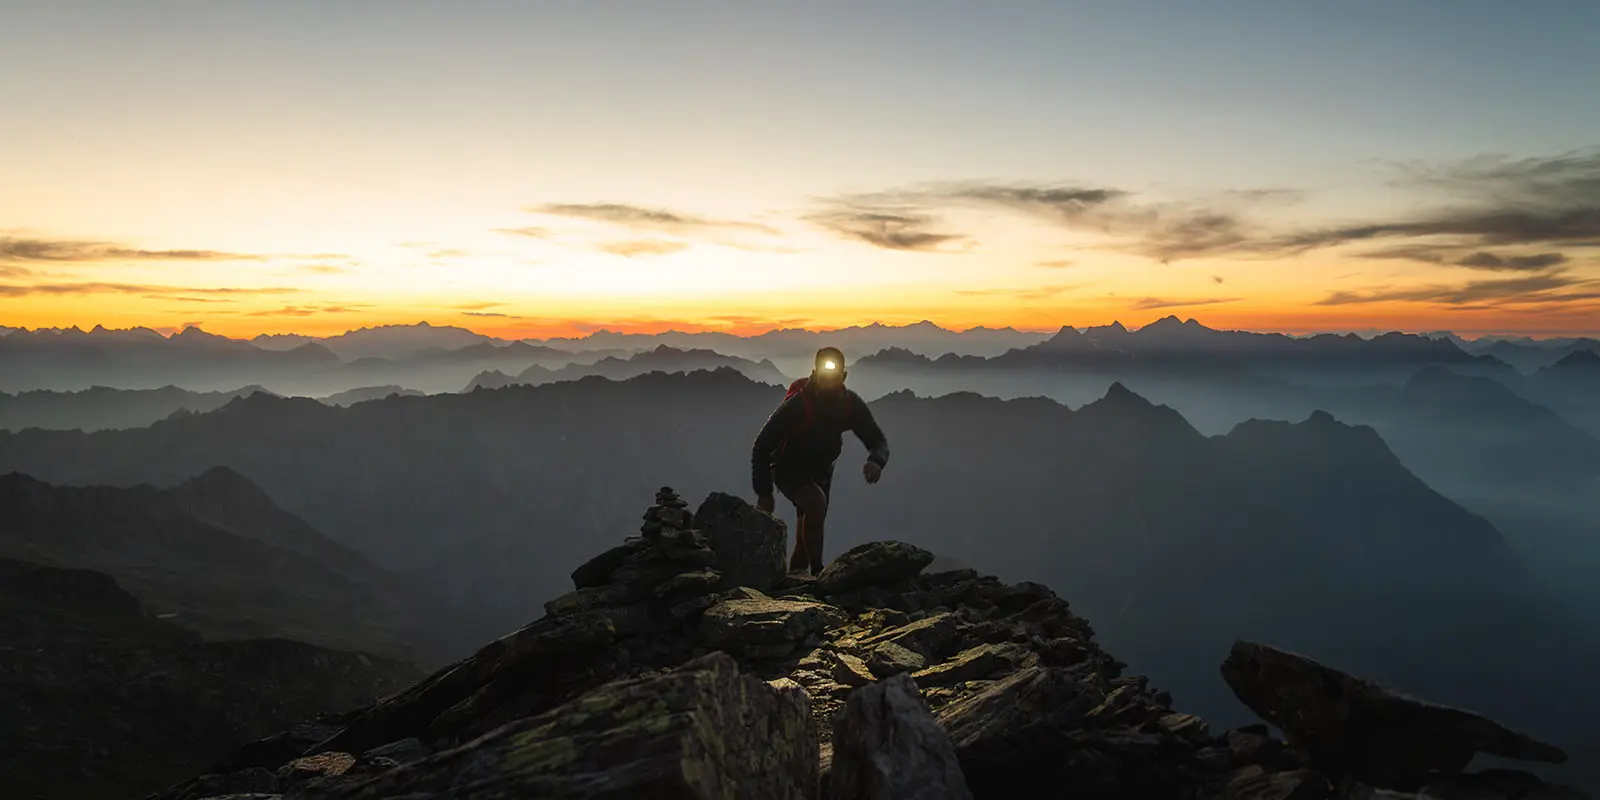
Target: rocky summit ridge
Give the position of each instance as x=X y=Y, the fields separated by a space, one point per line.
x=686 y=664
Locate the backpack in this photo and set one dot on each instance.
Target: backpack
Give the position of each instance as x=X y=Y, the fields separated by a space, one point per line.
x=798 y=387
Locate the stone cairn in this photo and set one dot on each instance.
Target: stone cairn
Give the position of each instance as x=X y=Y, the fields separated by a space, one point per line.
x=669 y=516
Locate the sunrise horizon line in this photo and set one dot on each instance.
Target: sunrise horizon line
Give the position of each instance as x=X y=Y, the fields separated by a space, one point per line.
x=665 y=328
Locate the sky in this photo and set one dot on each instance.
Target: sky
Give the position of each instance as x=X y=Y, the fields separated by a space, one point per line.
x=550 y=168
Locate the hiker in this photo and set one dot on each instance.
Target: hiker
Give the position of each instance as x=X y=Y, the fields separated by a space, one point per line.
x=800 y=442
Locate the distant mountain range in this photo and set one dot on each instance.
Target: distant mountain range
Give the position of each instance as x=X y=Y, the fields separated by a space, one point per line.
x=215 y=555
x=104 y=407
x=1312 y=533
x=102 y=699
x=662 y=359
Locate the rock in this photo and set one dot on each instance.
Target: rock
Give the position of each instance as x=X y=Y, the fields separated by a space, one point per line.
x=887 y=746
x=1351 y=726
x=276 y=750
x=1255 y=783
x=1495 y=784
x=252 y=780
x=701 y=731
x=749 y=544
x=584 y=600
x=597 y=571
x=888 y=658
x=972 y=664
x=698 y=582
x=537 y=650
x=1011 y=735
x=851 y=671
x=1185 y=726
x=932 y=637
x=743 y=623
x=872 y=564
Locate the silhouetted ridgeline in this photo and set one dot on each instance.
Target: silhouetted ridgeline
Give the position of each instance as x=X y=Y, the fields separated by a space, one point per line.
x=217 y=556
x=103 y=701
x=1311 y=535
x=686 y=664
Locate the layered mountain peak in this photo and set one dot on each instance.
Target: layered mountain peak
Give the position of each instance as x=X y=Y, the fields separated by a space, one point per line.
x=685 y=659
x=1584 y=360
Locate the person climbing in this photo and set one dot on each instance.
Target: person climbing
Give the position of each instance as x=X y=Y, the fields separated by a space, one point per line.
x=798 y=446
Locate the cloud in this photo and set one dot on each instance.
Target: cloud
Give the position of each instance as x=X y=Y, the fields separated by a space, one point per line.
x=1164 y=231
x=14 y=272
x=325 y=269
x=166 y=292
x=189 y=299
x=633 y=216
x=1152 y=303
x=1032 y=293
x=306 y=311
x=903 y=230
x=1216 y=279
x=1542 y=288
x=634 y=248
x=64 y=251
x=488 y=314
x=477 y=306
x=1060 y=263
x=1532 y=263
x=1542 y=201
x=530 y=231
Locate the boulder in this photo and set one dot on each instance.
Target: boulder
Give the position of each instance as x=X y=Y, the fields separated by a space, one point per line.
x=888 y=746
x=973 y=663
x=932 y=637
x=888 y=658
x=872 y=564
x=701 y=731
x=749 y=543
x=1255 y=783
x=1011 y=736
x=746 y=624
x=1351 y=726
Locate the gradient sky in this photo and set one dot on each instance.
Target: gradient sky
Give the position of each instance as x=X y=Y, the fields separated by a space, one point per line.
x=547 y=167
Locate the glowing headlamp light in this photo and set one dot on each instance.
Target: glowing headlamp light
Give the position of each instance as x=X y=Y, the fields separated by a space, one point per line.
x=829 y=365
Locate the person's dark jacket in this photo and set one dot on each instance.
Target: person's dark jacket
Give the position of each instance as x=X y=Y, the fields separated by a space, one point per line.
x=783 y=447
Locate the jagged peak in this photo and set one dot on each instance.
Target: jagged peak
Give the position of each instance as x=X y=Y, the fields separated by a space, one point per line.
x=1578 y=359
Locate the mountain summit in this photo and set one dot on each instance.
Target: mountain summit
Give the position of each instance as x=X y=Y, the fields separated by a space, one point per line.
x=662 y=674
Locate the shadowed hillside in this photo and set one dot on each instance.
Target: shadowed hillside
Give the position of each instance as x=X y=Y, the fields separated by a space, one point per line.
x=1311 y=534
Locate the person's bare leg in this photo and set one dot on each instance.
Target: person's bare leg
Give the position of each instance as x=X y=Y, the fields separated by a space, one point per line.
x=799 y=559
x=816 y=512
x=811 y=511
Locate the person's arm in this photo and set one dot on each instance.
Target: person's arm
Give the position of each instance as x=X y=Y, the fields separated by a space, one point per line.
x=867 y=430
x=778 y=424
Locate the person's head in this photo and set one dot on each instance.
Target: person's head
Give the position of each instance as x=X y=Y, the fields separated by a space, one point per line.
x=828 y=372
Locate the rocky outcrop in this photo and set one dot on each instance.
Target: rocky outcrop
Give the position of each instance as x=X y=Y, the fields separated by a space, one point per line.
x=892 y=682
x=702 y=730
x=872 y=564
x=749 y=543
x=1350 y=726
x=888 y=746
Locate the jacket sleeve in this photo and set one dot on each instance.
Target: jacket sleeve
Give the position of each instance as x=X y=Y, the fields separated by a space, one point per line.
x=781 y=421
x=867 y=430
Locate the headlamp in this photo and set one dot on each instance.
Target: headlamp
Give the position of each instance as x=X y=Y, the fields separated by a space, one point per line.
x=829 y=365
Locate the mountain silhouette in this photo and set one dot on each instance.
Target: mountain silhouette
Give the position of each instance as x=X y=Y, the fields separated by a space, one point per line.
x=105 y=407
x=214 y=554
x=102 y=699
x=1311 y=533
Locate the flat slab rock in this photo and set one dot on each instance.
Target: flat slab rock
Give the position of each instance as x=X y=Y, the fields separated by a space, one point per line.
x=745 y=622
x=701 y=731
x=1353 y=726
x=872 y=564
